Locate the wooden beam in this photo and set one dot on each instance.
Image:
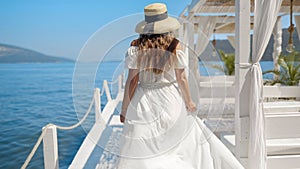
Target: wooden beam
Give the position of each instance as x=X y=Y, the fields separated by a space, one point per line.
x=220 y=18
x=222 y=25
x=231 y=9
x=225 y=29
x=184 y=11
x=220 y=2
x=229 y=28
x=232 y=3
x=195 y=4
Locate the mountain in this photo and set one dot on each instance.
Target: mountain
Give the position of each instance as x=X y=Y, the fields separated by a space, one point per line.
x=227 y=48
x=13 y=54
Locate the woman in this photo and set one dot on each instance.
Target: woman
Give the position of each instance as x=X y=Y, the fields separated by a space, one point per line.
x=161 y=130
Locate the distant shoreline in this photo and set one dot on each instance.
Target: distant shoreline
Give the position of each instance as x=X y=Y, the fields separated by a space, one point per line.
x=7 y=63
x=14 y=54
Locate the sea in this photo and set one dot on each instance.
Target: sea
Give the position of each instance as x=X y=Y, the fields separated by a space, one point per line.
x=35 y=94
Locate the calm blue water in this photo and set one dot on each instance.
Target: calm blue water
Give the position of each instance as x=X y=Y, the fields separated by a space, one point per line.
x=33 y=95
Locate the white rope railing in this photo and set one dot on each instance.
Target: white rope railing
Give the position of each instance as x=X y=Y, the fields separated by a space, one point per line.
x=81 y=121
x=35 y=147
x=105 y=89
x=102 y=90
x=59 y=127
x=113 y=82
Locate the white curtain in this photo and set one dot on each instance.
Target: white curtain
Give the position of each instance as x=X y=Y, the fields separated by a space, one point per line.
x=183 y=36
x=265 y=16
x=206 y=26
x=297 y=20
x=231 y=40
x=277 y=34
x=192 y=63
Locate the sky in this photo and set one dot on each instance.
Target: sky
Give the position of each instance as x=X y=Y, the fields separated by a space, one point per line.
x=62 y=27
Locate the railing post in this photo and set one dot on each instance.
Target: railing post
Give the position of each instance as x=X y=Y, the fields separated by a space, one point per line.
x=50 y=148
x=298 y=98
x=106 y=88
x=120 y=83
x=124 y=80
x=97 y=98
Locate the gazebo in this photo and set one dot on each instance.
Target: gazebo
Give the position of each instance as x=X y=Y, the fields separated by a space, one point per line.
x=256 y=130
x=241 y=18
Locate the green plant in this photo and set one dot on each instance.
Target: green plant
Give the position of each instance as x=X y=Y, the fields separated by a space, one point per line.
x=289 y=73
x=228 y=60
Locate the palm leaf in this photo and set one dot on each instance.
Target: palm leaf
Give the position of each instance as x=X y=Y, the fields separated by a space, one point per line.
x=297 y=68
x=290 y=70
x=282 y=63
x=276 y=72
x=229 y=66
x=218 y=67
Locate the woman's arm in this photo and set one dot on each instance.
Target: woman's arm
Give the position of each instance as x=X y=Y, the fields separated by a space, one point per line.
x=184 y=87
x=130 y=86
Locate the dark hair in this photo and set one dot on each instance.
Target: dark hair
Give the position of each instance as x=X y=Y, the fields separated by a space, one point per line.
x=155 y=51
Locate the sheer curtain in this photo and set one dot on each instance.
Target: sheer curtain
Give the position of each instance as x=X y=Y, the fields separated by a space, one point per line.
x=297 y=20
x=205 y=30
x=183 y=35
x=231 y=40
x=265 y=16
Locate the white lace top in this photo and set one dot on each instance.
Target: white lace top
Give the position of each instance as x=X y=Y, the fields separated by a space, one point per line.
x=146 y=77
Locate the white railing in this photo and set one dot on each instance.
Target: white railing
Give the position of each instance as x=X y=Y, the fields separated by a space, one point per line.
x=49 y=132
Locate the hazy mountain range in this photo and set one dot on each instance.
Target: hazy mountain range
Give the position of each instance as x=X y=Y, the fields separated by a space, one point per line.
x=13 y=54
x=227 y=48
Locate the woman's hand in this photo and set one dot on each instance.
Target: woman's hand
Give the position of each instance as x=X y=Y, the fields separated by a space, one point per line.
x=122 y=118
x=191 y=106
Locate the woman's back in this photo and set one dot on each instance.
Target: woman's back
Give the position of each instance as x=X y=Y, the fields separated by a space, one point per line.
x=146 y=76
x=155 y=60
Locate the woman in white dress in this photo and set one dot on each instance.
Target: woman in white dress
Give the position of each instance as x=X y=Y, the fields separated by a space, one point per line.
x=161 y=129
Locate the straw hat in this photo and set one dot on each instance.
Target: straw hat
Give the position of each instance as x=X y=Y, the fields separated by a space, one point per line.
x=157 y=20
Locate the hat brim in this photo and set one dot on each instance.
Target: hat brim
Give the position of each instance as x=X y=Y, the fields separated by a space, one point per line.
x=167 y=25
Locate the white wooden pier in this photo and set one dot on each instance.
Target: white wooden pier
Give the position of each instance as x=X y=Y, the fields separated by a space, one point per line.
x=282 y=119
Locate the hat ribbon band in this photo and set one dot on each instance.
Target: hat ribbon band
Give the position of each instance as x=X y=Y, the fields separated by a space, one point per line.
x=155 y=18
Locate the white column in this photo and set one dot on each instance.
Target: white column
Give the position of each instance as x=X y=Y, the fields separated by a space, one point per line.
x=190 y=46
x=180 y=34
x=242 y=53
x=194 y=75
x=50 y=148
x=191 y=33
x=184 y=39
x=277 y=35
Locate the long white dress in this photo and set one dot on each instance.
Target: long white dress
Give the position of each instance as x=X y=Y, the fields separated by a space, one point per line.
x=159 y=133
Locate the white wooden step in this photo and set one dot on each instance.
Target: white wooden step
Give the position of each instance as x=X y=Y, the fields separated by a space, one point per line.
x=283 y=146
x=284 y=162
x=282 y=126
x=282 y=134
x=283 y=106
x=279 y=162
x=274 y=146
x=219 y=126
